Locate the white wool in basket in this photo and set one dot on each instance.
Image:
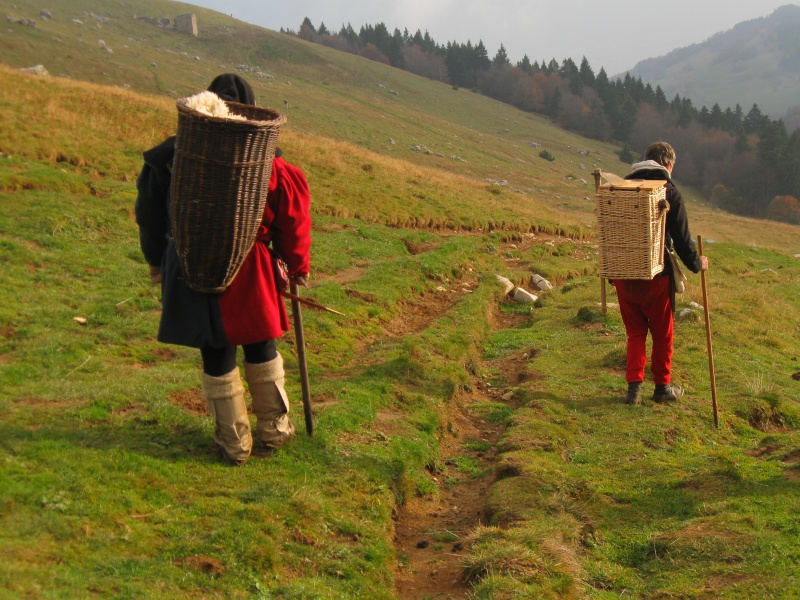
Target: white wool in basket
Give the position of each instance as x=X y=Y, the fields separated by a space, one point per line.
x=212 y=105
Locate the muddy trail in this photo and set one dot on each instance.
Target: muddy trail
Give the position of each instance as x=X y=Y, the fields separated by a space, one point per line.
x=432 y=533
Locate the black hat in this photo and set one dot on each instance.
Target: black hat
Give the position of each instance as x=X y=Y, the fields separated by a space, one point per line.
x=233 y=88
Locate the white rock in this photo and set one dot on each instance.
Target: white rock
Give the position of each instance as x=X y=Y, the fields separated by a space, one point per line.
x=37 y=70
x=507 y=285
x=523 y=296
x=541 y=283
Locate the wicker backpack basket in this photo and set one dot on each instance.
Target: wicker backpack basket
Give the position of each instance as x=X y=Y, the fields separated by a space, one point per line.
x=220 y=180
x=632 y=218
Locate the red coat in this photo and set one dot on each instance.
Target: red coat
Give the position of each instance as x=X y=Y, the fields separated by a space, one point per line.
x=250 y=310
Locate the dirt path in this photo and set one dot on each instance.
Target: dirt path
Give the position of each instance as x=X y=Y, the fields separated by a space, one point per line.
x=432 y=534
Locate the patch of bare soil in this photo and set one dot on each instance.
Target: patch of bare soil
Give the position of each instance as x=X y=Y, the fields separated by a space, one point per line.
x=348 y=275
x=415 y=249
x=768 y=419
x=164 y=353
x=191 y=401
x=792 y=474
x=431 y=533
x=133 y=410
x=203 y=564
x=762 y=451
x=418 y=314
x=51 y=404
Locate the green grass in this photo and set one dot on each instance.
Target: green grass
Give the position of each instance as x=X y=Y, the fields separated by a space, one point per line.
x=661 y=501
x=109 y=484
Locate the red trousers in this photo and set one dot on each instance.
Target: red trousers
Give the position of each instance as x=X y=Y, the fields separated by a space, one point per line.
x=645 y=306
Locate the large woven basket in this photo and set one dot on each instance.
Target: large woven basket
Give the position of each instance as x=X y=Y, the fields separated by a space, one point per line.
x=220 y=180
x=631 y=217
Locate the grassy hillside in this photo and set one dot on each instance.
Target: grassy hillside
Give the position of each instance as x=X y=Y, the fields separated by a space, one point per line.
x=433 y=388
x=330 y=94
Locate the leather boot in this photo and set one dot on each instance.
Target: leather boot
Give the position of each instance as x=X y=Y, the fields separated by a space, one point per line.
x=270 y=403
x=634 y=395
x=667 y=393
x=225 y=398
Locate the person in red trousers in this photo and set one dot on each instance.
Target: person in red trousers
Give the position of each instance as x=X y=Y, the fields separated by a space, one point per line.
x=649 y=305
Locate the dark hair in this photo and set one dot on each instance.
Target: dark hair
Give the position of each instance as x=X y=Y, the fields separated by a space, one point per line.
x=661 y=152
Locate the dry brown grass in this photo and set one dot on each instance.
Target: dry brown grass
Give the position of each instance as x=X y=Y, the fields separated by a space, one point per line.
x=80 y=123
x=351 y=182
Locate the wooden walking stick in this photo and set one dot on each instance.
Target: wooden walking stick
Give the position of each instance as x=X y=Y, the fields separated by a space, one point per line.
x=597 y=175
x=301 y=357
x=708 y=337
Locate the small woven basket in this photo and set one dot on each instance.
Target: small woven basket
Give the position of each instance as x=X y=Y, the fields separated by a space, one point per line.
x=631 y=217
x=220 y=180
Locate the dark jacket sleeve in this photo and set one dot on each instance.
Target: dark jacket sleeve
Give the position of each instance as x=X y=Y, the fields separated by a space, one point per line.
x=152 y=201
x=678 y=230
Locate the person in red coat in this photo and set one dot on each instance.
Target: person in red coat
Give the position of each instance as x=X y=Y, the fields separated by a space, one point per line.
x=249 y=313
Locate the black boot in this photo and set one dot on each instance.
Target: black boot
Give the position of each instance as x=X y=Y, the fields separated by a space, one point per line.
x=634 y=395
x=667 y=393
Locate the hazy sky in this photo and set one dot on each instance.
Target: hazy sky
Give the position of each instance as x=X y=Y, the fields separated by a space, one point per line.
x=614 y=34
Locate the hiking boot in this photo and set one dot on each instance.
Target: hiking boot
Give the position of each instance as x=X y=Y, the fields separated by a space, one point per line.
x=634 y=395
x=667 y=393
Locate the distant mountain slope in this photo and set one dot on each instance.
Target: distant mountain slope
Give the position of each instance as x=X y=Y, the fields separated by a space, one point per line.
x=756 y=61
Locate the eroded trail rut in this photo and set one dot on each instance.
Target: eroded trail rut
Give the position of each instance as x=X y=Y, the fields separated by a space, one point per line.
x=432 y=534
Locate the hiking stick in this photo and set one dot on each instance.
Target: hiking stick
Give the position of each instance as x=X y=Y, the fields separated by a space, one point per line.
x=603 y=303
x=597 y=175
x=301 y=357
x=708 y=337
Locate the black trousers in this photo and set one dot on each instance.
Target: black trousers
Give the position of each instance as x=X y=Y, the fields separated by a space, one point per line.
x=221 y=361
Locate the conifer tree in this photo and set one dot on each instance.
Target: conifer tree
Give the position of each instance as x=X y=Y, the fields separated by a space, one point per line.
x=661 y=102
x=501 y=58
x=586 y=74
x=307 y=30
x=525 y=65
x=756 y=121
x=481 y=60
